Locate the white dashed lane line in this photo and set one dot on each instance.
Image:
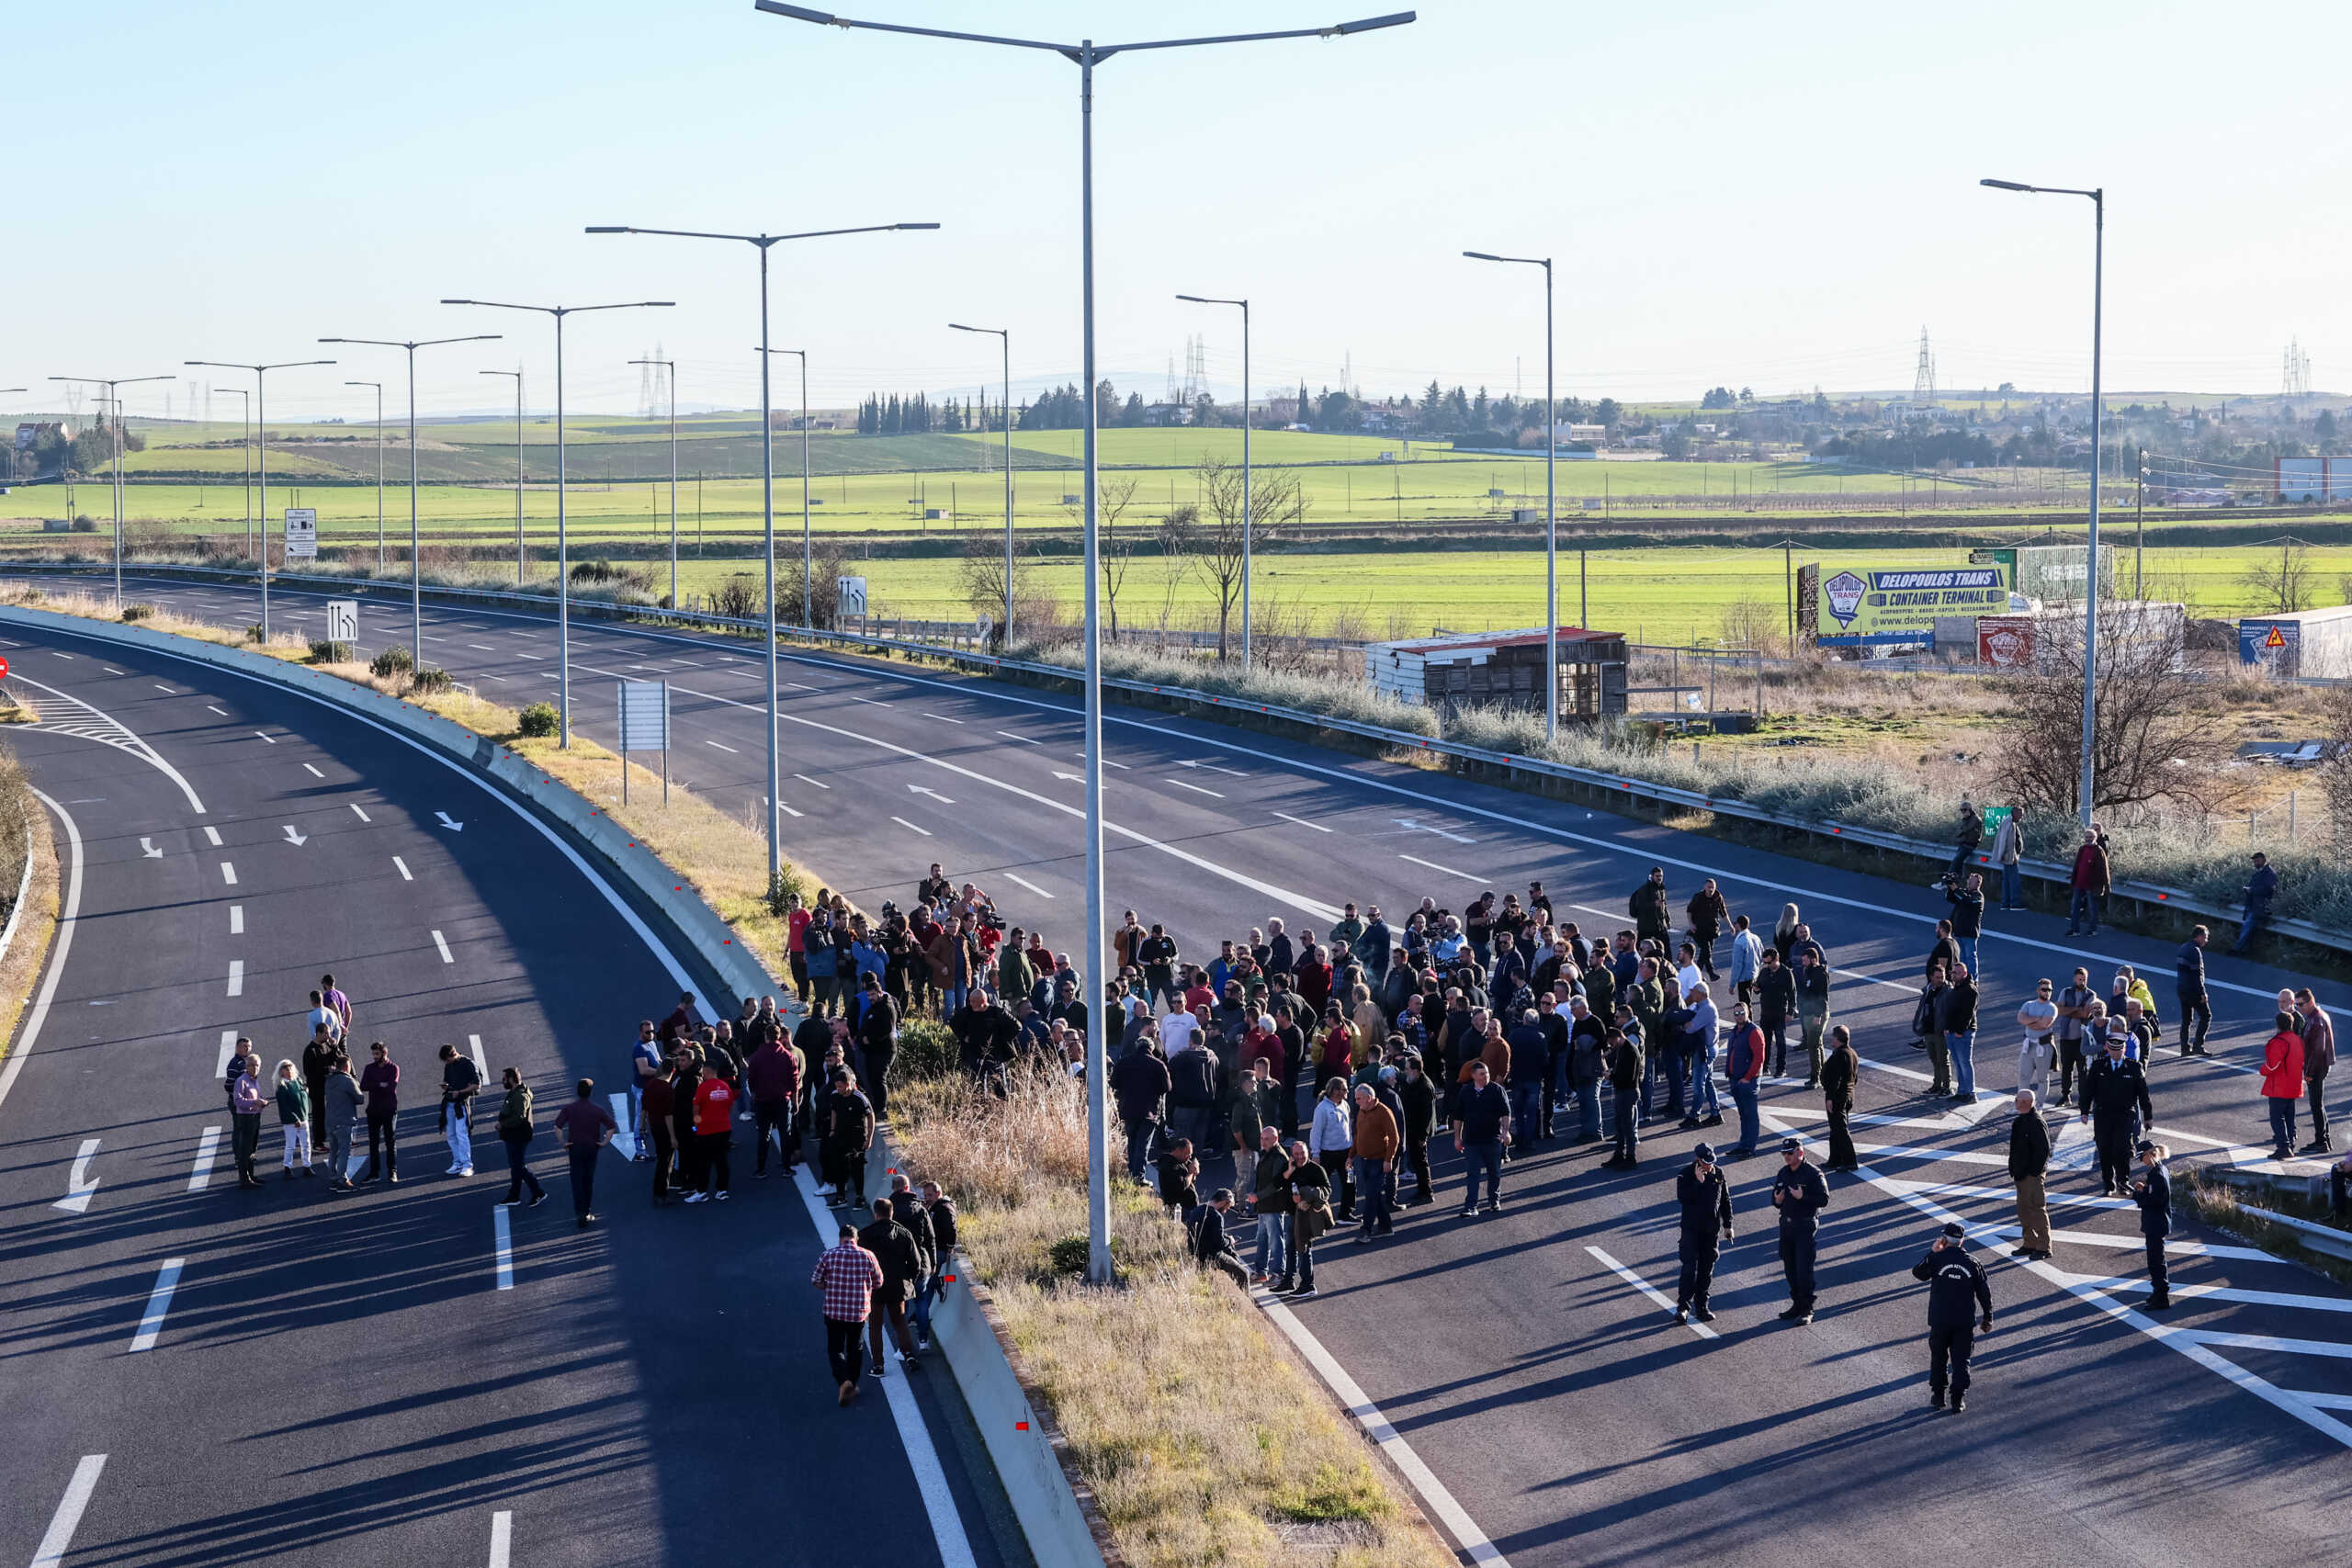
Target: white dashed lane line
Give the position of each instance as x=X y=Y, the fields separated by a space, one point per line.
x=213 y=835
x=269 y=739
x=159 y=1301
x=804 y=778
x=1432 y=865
x=943 y=719
x=904 y=823
x=728 y=750
x=236 y=919
x=312 y=771
x=355 y=811
x=401 y=866
x=1197 y=789
x=1025 y=882
x=228 y=873
x=236 y=977
x=1302 y=822
x=443 y=943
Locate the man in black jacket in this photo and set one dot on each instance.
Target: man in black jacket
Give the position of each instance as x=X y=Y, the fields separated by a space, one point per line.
x=2116 y=1103
x=1704 y=1196
x=1648 y=908
x=1140 y=1083
x=1417 y=1095
x=2028 y=1165
x=878 y=1038
x=894 y=1247
x=1800 y=1194
x=909 y=1210
x=1212 y=1244
x=1194 y=1087
x=985 y=1031
x=1956 y=1283
x=1625 y=1065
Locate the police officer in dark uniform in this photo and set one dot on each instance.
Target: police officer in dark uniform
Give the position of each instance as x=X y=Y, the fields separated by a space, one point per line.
x=1960 y=1305
x=1704 y=1195
x=2116 y=1103
x=1800 y=1193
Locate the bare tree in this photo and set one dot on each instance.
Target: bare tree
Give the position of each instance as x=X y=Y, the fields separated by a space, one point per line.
x=2154 y=738
x=824 y=578
x=2282 y=583
x=1115 y=546
x=1175 y=537
x=1276 y=501
x=980 y=578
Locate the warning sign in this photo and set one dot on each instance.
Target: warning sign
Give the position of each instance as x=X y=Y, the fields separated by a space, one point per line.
x=2275 y=645
x=2276 y=640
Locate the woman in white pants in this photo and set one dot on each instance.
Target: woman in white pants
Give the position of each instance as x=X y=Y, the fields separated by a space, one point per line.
x=2038 y=1018
x=294 y=1119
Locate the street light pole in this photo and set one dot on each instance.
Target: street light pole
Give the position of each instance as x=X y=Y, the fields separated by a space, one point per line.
x=1249 y=494
x=763 y=242
x=2090 y=571
x=562 y=539
x=415 y=543
x=116 y=398
x=671 y=367
x=1551 y=504
x=1004 y=338
x=261 y=455
x=380 y=469
x=518 y=469
x=1086 y=55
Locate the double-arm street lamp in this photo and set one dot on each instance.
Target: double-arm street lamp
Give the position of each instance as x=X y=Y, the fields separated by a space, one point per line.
x=2090 y=572
x=562 y=539
x=1550 y=494
x=110 y=384
x=764 y=244
x=1086 y=55
x=1004 y=338
x=261 y=453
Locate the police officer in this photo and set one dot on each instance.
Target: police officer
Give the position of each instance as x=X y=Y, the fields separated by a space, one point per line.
x=1800 y=1193
x=2116 y=1103
x=1955 y=1280
x=1704 y=1195
x=2152 y=1192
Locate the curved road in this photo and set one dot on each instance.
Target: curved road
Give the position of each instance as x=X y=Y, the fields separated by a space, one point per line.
x=1560 y=1417
x=198 y=1374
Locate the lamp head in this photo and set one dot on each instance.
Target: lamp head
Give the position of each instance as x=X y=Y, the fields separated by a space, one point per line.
x=2004 y=184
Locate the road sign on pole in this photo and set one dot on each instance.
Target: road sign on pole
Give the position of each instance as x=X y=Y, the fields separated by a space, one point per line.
x=645 y=726
x=853 y=597
x=343 y=620
x=302 y=533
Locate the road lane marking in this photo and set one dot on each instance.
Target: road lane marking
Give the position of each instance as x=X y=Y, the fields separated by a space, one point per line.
x=228 y=1049
x=1474 y=1541
x=904 y=823
x=360 y=814
x=228 y=873
x=222 y=712
x=482 y=1063
x=1302 y=822
x=109 y=668
x=502 y=1538
x=1448 y=871
x=501 y=1236
x=213 y=835
x=165 y=690
x=266 y=737
x=68 y=1517
x=869 y=702
x=804 y=778
x=80 y=1185
x=401 y=866
x=236 y=977
x=1106 y=761
x=313 y=770
x=1023 y=739
x=1197 y=789
x=159 y=1301
x=1700 y=1329
x=728 y=750
x=482 y=645
x=199 y=1176
x=624 y=1136
x=1025 y=882
x=2215 y=1292
x=441 y=943
x=943 y=719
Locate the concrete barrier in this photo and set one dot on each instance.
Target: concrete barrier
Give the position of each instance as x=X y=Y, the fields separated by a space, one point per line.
x=1054 y=1507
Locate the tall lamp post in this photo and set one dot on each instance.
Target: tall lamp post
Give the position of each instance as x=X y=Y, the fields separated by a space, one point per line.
x=415 y=552
x=2091 y=573
x=1551 y=504
x=670 y=368
x=562 y=539
x=1004 y=337
x=518 y=469
x=113 y=398
x=1086 y=55
x=245 y=452
x=764 y=244
x=261 y=453
x=1247 y=497
x=380 y=469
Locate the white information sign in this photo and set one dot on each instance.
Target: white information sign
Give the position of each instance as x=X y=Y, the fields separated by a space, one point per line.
x=343 y=620
x=852 y=599
x=645 y=715
x=302 y=533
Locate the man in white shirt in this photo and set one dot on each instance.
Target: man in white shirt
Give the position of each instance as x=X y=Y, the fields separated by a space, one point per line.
x=1176 y=1027
x=2038 y=1018
x=1688 y=978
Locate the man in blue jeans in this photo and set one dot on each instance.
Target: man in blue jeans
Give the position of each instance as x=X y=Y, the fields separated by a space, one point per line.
x=1481 y=1132
x=1746 y=1066
x=1958 y=1024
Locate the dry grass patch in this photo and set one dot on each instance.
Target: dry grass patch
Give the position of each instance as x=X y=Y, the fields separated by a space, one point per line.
x=1204 y=1438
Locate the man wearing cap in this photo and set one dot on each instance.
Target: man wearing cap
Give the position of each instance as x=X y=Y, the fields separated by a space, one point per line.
x=2116 y=1103
x=1705 y=1199
x=1956 y=1282
x=1800 y=1193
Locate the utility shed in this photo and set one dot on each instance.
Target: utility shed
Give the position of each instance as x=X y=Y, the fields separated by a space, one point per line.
x=1502 y=670
x=2306 y=643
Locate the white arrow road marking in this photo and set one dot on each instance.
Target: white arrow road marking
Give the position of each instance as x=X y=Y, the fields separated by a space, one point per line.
x=1212 y=767
x=501 y=1539
x=213 y=835
x=80 y=1184
x=804 y=778
x=1074 y=778
x=68 y=1517
x=359 y=813
x=295 y=838
x=502 y=1240
x=447 y=821
x=148 y=849
x=228 y=873
x=904 y=823
x=236 y=977
x=926 y=789
x=441 y=943
x=1412 y=824
x=236 y=919
x=401 y=866
x=1025 y=882
x=781 y=807
x=623 y=1141
x=1302 y=822
x=1197 y=789
x=159 y=1301
x=1464 y=875
x=201 y=1175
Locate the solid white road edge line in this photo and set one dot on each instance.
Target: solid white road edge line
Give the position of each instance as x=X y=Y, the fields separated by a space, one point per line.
x=159 y=1301
x=66 y=915
x=1700 y=1329
x=946 y=1524
x=68 y=1517
x=208 y=1148
x=1465 y=1531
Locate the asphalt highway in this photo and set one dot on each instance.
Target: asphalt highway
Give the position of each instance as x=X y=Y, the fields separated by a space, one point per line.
x=201 y=1374
x=1555 y=1407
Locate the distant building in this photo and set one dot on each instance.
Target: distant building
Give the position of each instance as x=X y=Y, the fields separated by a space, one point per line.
x=1594 y=436
x=30 y=432
x=1168 y=414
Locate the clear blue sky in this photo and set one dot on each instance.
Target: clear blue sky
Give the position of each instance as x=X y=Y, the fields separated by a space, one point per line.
x=1779 y=196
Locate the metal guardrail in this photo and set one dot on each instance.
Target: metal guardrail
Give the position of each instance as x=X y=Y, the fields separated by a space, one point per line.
x=1510 y=762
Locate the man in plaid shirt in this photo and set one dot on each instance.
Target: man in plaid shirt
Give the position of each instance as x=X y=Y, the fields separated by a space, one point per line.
x=848 y=1275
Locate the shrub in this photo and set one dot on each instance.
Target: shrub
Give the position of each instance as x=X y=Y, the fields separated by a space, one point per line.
x=597 y=571
x=254 y=634
x=324 y=652
x=136 y=612
x=393 y=661
x=540 y=720
x=429 y=679
x=926 y=1050
x=86 y=524
x=784 y=886
x=1068 y=1255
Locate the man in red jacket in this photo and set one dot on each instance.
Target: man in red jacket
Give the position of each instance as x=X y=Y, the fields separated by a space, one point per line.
x=1746 y=1066
x=714 y=1135
x=2091 y=881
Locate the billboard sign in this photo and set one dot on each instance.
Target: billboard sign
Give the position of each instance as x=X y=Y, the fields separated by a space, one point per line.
x=2005 y=642
x=2275 y=645
x=1879 y=608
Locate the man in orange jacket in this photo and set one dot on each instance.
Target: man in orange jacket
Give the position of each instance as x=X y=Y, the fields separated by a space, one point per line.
x=1376 y=1161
